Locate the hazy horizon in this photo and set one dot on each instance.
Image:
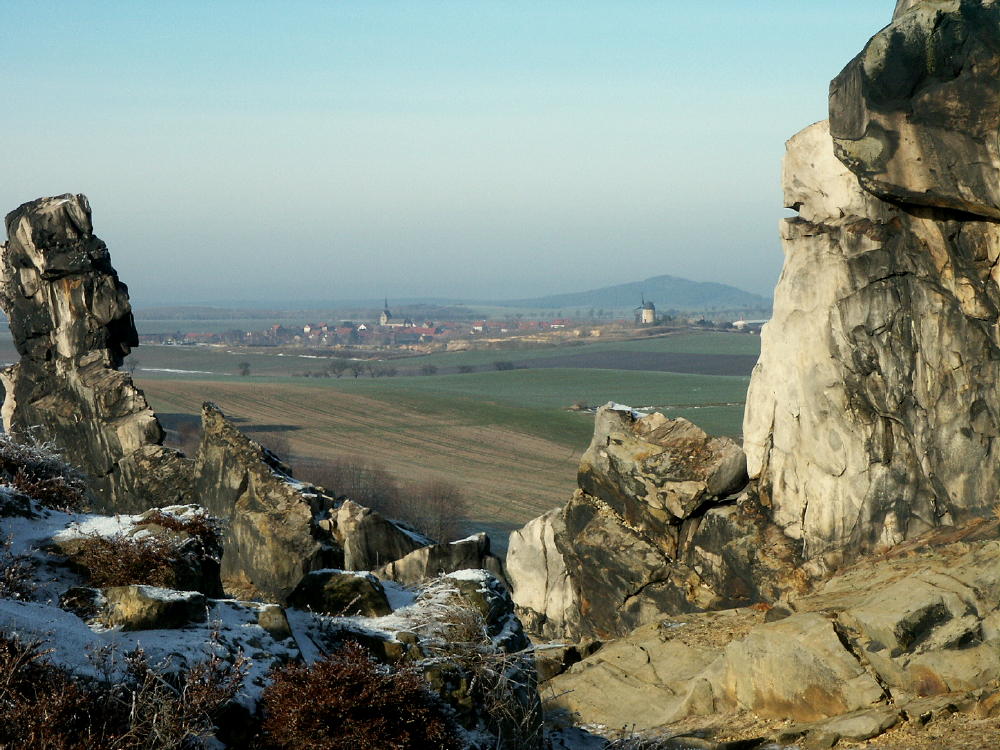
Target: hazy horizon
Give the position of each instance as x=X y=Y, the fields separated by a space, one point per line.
x=437 y=149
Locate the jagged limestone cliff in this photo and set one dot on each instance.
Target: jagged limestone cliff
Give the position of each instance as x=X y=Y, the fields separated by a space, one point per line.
x=873 y=412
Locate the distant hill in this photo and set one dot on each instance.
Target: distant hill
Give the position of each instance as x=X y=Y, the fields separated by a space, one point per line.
x=666 y=292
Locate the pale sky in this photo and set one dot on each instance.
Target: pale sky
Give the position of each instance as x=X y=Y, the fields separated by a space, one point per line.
x=318 y=151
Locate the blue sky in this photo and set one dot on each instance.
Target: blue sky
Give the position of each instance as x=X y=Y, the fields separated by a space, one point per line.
x=327 y=150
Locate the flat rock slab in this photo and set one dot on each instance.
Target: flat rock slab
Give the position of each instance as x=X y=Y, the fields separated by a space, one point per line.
x=151 y=608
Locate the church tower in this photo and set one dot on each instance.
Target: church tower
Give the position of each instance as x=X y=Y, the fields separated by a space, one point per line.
x=385 y=316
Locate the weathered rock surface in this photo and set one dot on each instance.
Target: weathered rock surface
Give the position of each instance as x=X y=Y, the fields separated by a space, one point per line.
x=72 y=325
x=341 y=593
x=915 y=115
x=434 y=560
x=653 y=471
x=876 y=642
x=151 y=608
x=369 y=539
x=873 y=412
x=274 y=536
x=662 y=534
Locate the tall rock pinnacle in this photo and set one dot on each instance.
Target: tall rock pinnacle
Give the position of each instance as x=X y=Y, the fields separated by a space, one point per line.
x=874 y=411
x=72 y=325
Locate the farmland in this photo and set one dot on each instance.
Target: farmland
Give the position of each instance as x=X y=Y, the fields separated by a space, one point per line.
x=507 y=437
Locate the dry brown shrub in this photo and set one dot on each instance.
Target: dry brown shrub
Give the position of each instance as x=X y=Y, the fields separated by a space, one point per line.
x=173 y=712
x=349 y=702
x=199 y=525
x=120 y=560
x=40 y=473
x=17 y=573
x=42 y=706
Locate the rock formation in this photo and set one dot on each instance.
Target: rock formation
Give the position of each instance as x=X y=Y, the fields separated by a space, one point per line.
x=274 y=533
x=658 y=526
x=72 y=325
x=873 y=413
x=880 y=643
x=433 y=560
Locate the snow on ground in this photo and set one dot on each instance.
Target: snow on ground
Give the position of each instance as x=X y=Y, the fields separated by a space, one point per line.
x=176 y=372
x=636 y=414
x=398 y=595
x=73 y=644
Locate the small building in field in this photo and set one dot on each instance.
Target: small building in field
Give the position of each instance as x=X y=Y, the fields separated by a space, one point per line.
x=645 y=314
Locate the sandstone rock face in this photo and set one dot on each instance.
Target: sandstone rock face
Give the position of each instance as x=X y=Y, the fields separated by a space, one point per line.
x=655 y=472
x=876 y=641
x=653 y=530
x=72 y=325
x=437 y=559
x=151 y=608
x=873 y=413
x=275 y=536
x=370 y=540
x=915 y=115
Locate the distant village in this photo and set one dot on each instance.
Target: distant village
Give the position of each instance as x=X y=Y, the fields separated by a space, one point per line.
x=389 y=331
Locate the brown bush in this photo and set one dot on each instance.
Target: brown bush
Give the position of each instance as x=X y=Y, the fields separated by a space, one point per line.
x=41 y=474
x=17 y=574
x=120 y=560
x=347 y=701
x=199 y=525
x=42 y=706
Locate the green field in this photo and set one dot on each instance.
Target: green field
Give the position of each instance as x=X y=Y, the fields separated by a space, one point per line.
x=508 y=438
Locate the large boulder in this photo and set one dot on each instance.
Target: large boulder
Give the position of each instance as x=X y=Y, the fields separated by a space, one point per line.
x=275 y=535
x=151 y=608
x=873 y=413
x=369 y=539
x=797 y=668
x=71 y=322
x=907 y=634
x=915 y=115
x=472 y=553
x=655 y=472
x=341 y=593
x=655 y=528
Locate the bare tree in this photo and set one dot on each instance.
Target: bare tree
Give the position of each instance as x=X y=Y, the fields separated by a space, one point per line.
x=244 y=368
x=276 y=442
x=362 y=480
x=437 y=508
x=337 y=367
